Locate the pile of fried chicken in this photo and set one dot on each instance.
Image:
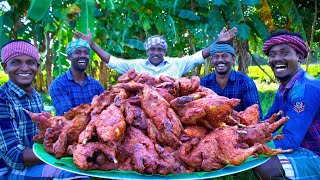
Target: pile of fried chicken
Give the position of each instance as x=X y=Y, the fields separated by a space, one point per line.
x=157 y=126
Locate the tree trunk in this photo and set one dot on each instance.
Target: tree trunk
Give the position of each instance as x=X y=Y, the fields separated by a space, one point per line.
x=312 y=33
x=39 y=78
x=242 y=48
x=48 y=64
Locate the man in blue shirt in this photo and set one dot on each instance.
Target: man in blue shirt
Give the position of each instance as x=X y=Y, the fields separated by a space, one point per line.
x=20 y=60
x=227 y=82
x=298 y=97
x=156 y=64
x=74 y=87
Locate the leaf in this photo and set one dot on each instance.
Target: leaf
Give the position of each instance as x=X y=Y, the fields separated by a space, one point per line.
x=243 y=30
x=3 y=31
x=186 y=14
x=134 y=43
x=218 y=3
x=233 y=11
x=265 y=13
x=86 y=20
x=38 y=8
x=250 y=2
x=171 y=29
x=216 y=23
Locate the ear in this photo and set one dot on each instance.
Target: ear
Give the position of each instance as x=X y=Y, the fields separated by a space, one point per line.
x=301 y=59
x=4 y=67
x=233 y=59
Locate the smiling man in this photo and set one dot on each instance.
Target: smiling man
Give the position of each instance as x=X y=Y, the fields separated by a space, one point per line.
x=74 y=87
x=20 y=60
x=157 y=63
x=227 y=82
x=298 y=97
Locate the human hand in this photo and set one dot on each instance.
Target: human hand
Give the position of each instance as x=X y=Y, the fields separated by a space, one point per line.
x=227 y=35
x=87 y=37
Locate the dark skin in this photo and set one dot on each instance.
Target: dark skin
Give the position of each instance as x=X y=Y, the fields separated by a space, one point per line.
x=222 y=62
x=79 y=61
x=223 y=36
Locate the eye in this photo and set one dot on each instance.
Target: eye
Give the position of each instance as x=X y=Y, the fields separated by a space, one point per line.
x=32 y=63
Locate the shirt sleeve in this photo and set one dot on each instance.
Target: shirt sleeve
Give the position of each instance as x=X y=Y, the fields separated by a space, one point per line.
x=301 y=110
x=10 y=145
x=251 y=95
x=121 y=65
x=60 y=99
x=187 y=63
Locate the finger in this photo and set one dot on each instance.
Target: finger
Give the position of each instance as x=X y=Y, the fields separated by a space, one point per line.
x=89 y=32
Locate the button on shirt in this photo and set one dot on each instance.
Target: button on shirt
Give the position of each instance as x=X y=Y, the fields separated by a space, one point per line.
x=173 y=67
x=239 y=86
x=300 y=101
x=16 y=126
x=66 y=93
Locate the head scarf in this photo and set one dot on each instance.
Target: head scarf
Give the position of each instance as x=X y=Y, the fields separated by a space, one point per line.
x=293 y=41
x=18 y=48
x=218 y=48
x=73 y=45
x=154 y=40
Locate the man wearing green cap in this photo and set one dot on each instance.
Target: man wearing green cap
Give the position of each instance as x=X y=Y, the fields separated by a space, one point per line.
x=74 y=87
x=227 y=82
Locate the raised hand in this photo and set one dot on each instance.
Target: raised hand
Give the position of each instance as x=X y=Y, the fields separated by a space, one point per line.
x=87 y=37
x=227 y=35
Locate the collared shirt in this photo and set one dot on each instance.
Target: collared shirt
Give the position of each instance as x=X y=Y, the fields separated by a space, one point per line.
x=66 y=93
x=238 y=86
x=16 y=127
x=300 y=101
x=173 y=67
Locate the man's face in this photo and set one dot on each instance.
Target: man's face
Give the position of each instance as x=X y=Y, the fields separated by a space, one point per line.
x=79 y=58
x=21 y=70
x=284 y=61
x=222 y=62
x=156 y=54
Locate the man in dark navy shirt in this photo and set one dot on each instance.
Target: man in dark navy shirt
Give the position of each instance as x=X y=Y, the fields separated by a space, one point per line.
x=227 y=82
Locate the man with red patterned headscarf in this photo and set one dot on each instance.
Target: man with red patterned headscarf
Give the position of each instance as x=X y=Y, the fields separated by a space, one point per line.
x=20 y=60
x=298 y=97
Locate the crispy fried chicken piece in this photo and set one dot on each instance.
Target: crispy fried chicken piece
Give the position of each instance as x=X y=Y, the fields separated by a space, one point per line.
x=168 y=90
x=164 y=118
x=249 y=116
x=188 y=86
x=99 y=103
x=135 y=116
x=128 y=76
x=167 y=163
x=142 y=150
x=146 y=78
x=70 y=134
x=109 y=125
x=81 y=109
x=94 y=155
x=215 y=109
x=261 y=132
x=194 y=131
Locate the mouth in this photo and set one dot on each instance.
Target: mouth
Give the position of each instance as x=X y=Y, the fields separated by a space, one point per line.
x=82 y=61
x=24 y=74
x=280 y=66
x=221 y=65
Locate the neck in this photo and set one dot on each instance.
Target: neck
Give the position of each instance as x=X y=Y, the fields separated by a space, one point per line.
x=78 y=76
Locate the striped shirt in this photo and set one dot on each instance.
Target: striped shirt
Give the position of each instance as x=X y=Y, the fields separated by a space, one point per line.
x=66 y=93
x=239 y=86
x=16 y=127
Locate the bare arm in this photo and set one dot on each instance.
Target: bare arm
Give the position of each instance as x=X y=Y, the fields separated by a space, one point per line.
x=29 y=158
x=88 y=37
x=223 y=36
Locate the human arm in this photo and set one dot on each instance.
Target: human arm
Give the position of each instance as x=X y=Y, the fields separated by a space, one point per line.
x=224 y=35
x=12 y=142
x=105 y=56
x=301 y=108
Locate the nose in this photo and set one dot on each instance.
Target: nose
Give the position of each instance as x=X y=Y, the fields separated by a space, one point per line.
x=24 y=66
